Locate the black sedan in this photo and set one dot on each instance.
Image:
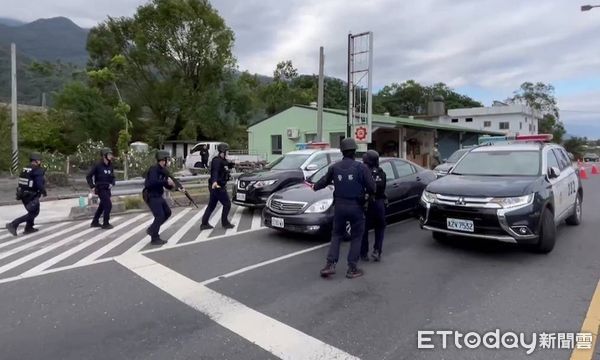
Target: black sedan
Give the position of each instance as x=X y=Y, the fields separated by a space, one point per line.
x=299 y=209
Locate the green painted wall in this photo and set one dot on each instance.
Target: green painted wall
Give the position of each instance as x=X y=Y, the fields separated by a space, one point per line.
x=259 y=135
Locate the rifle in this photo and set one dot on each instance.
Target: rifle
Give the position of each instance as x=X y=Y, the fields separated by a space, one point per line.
x=179 y=187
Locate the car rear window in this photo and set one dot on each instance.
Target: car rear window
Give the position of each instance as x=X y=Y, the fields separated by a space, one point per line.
x=456 y=156
x=499 y=163
x=288 y=162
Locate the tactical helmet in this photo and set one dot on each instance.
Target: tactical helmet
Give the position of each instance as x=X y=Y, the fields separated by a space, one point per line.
x=223 y=147
x=105 y=152
x=371 y=158
x=348 y=144
x=162 y=155
x=35 y=157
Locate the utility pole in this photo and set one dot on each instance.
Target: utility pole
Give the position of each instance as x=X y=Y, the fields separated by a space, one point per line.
x=320 y=95
x=13 y=109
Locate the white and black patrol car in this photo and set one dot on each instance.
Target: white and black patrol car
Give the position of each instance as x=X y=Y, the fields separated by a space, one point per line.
x=516 y=191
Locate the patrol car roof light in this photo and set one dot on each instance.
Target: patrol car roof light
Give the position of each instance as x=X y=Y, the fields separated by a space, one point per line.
x=538 y=137
x=301 y=146
x=318 y=145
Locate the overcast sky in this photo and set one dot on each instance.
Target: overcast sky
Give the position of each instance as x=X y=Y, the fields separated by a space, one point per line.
x=483 y=48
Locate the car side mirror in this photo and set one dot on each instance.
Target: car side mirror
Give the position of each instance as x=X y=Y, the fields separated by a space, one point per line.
x=554 y=172
x=312 y=167
x=444 y=160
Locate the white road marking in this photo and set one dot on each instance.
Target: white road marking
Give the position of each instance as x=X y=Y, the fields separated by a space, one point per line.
x=50 y=271
x=236 y=219
x=275 y=337
x=264 y=263
x=27 y=237
x=142 y=243
x=55 y=260
x=195 y=220
x=113 y=244
x=6 y=236
x=257 y=219
x=41 y=240
x=42 y=251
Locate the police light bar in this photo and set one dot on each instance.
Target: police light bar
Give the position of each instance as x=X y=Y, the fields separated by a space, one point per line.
x=538 y=137
x=486 y=139
x=318 y=145
x=312 y=145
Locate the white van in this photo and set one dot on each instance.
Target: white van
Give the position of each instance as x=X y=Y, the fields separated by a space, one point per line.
x=194 y=160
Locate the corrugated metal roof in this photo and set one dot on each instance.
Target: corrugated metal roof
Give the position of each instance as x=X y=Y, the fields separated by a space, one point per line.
x=393 y=121
x=401 y=121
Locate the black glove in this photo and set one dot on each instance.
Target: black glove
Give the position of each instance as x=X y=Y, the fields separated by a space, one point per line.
x=44 y=193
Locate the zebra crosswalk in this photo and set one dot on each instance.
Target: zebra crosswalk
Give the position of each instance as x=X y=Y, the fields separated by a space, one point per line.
x=73 y=244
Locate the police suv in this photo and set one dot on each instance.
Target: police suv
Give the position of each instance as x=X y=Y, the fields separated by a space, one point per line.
x=516 y=190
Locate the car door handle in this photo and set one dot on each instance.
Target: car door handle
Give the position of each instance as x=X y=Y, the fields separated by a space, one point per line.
x=418 y=178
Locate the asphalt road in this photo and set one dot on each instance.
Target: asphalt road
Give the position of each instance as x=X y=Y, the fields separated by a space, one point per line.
x=256 y=294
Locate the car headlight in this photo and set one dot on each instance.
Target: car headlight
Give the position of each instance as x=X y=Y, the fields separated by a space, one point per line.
x=320 y=206
x=513 y=202
x=428 y=197
x=263 y=183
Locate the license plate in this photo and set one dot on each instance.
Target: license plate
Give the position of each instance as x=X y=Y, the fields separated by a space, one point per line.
x=240 y=197
x=460 y=225
x=277 y=222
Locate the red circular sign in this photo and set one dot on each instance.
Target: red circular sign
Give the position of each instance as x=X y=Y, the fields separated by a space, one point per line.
x=360 y=133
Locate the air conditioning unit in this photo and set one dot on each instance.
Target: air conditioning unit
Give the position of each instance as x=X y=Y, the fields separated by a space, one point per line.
x=293 y=133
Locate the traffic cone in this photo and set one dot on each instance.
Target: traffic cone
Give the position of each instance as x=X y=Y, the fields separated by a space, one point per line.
x=583 y=173
x=595 y=170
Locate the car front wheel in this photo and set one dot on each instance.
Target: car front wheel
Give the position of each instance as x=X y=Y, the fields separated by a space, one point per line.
x=547 y=233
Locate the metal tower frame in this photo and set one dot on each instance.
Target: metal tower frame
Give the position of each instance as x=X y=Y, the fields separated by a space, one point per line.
x=360 y=85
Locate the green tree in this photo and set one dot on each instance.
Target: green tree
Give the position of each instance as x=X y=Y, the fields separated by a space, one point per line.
x=411 y=98
x=176 y=53
x=540 y=97
x=84 y=114
x=575 y=146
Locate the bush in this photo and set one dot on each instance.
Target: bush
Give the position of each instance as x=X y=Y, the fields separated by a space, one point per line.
x=133 y=202
x=54 y=162
x=87 y=154
x=57 y=179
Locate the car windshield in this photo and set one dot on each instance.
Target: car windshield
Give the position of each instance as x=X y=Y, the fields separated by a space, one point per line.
x=456 y=156
x=288 y=162
x=499 y=163
x=319 y=174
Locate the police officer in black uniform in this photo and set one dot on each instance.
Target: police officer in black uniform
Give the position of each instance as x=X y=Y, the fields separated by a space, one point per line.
x=219 y=176
x=101 y=178
x=156 y=181
x=31 y=186
x=204 y=156
x=375 y=208
x=352 y=180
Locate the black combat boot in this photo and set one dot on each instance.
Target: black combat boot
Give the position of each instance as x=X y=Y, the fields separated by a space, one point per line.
x=353 y=272
x=328 y=270
x=11 y=229
x=30 y=230
x=157 y=241
x=376 y=255
x=206 y=227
